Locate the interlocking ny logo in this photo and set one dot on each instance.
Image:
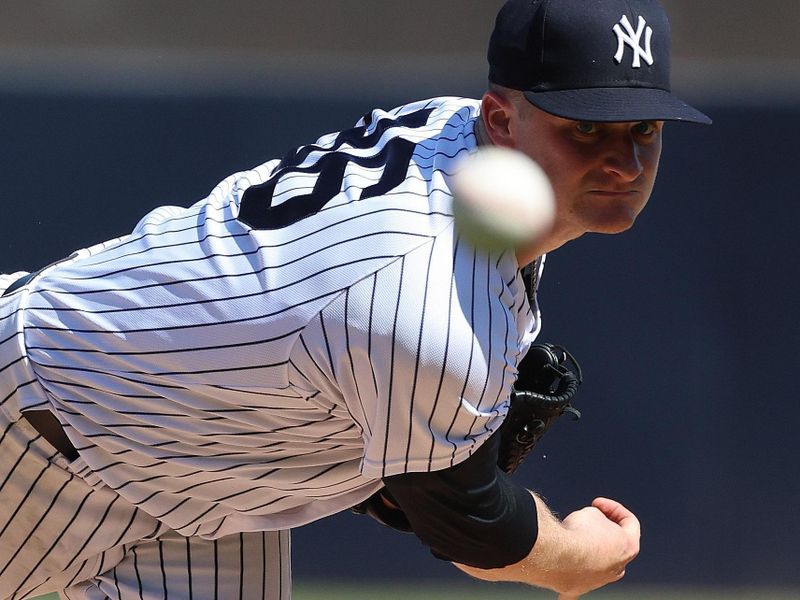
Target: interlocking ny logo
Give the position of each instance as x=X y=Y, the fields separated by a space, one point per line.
x=633 y=39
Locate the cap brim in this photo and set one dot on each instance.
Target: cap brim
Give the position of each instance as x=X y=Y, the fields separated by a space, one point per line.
x=616 y=105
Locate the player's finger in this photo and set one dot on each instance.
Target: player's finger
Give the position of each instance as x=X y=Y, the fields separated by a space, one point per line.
x=616 y=512
x=612 y=509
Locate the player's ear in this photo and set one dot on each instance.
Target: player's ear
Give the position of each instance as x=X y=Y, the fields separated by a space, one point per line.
x=497 y=112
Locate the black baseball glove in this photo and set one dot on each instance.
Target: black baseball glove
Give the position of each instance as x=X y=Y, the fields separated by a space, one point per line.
x=548 y=379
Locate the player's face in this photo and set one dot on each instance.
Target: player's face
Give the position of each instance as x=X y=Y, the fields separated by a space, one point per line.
x=602 y=173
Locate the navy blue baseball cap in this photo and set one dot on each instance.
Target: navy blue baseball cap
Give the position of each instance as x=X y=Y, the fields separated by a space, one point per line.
x=589 y=60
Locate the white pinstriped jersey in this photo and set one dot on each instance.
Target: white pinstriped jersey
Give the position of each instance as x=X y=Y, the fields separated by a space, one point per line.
x=261 y=359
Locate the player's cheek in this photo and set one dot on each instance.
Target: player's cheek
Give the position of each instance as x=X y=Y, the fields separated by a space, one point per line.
x=651 y=152
x=651 y=172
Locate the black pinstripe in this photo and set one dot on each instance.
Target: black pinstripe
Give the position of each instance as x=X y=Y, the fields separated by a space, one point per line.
x=419 y=348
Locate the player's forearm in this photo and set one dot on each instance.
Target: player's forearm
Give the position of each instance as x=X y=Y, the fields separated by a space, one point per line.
x=587 y=550
x=552 y=561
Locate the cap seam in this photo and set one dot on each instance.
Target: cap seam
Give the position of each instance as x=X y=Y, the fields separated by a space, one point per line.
x=542 y=51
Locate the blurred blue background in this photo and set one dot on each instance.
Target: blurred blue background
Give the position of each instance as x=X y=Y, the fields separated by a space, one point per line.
x=686 y=326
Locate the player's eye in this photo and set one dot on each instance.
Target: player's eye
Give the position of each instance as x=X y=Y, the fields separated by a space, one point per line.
x=586 y=127
x=646 y=128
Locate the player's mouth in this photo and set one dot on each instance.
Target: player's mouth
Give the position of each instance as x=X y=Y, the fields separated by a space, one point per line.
x=613 y=193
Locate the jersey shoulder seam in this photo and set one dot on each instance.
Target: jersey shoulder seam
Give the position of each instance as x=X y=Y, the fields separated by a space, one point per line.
x=340 y=293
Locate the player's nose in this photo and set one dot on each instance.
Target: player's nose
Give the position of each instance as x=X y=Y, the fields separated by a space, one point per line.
x=623 y=158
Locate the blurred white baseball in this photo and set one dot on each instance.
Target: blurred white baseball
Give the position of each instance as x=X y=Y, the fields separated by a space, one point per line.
x=501 y=199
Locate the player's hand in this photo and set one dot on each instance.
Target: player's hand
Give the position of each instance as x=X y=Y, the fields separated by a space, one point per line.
x=610 y=533
x=588 y=549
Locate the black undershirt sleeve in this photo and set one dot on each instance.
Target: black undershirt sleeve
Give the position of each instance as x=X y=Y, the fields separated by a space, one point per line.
x=471 y=513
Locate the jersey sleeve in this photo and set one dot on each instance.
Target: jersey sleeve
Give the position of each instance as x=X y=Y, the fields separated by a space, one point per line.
x=421 y=355
x=472 y=513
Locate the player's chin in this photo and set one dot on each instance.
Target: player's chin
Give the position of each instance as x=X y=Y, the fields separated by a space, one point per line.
x=614 y=225
x=613 y=216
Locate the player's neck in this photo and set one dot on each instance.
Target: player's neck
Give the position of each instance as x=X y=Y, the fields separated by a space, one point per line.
x=552 y=241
